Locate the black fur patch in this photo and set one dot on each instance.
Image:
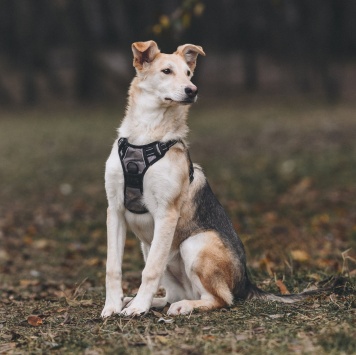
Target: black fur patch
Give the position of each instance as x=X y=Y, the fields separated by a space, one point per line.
x=210 y=215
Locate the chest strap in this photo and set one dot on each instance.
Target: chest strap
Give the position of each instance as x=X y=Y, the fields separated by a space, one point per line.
x=135 y=160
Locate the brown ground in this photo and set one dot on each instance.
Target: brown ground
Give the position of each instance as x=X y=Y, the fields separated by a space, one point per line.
x=285 y=173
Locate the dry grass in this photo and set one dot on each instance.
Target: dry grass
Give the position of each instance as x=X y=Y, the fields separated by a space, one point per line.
x=285 y=174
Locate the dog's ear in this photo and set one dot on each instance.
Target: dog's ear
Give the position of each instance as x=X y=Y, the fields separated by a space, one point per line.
x=190 y=53
x=144 y=52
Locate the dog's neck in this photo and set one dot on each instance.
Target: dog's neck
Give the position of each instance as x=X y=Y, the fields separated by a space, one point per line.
x=148 y=120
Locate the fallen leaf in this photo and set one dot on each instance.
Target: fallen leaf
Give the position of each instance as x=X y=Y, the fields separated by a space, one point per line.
x=270 y=217
x=27 y=283
x=157 y=314
x=162 y=339
x=282 y=287
x=41 y=244
x=4 y=255
x=7 y=347
x=240 y=337
x=74 y=303
x=35 y=321
x=300 y=255
x=268 y=264
x=303 y=185
x=314 y=276
x=86 y=303
x=275 y=316
x=208 y=337
x=93 y=262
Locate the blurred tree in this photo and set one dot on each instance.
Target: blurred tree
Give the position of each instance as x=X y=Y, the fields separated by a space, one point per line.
x=84 y=22
x=308 y=36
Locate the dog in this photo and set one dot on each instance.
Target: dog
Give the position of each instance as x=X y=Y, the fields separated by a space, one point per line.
x=188 y=242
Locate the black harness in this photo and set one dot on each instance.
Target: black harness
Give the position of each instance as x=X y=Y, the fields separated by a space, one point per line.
x=135 y=160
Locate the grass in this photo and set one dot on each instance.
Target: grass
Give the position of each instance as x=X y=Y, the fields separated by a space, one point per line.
x=285 y=173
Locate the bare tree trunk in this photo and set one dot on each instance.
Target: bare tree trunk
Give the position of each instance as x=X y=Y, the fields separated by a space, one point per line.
x=5 y=96
x=250 y=70
x=249 y=44
x=87 y=81
x=23 y=49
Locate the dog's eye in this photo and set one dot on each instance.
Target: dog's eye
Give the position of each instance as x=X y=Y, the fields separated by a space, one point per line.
x=167 y=71
x=188 y=72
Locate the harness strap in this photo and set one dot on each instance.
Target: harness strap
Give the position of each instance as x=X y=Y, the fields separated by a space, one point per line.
x=135 y=161
x=191 y=168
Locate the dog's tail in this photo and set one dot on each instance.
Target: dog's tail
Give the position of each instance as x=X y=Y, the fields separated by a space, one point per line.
x=256 y=293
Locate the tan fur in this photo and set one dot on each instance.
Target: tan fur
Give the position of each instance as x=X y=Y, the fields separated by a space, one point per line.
x=144 y=52
x=202 y=305
x=198 y=260
x=195 y=267
x=215 y=268
x=190 y=53
x=186 y=224
x=174 y=122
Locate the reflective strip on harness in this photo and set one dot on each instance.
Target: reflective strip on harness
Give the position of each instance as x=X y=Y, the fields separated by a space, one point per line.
x=135 y=161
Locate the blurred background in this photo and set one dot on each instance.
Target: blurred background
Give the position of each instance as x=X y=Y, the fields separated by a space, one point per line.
x=274 y=129
x=78 y=51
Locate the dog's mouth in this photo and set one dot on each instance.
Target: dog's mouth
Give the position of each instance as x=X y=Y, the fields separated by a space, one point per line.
x=183 y=102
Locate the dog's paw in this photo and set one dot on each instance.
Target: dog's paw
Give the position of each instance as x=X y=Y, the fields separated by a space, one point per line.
x=127 y=300
x=180 y=308
x=110 y=310
x=134 y=311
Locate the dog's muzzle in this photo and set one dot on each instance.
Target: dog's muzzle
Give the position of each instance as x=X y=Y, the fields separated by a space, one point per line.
x=191 y=92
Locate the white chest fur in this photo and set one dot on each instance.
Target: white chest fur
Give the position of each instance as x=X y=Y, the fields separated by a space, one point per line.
x=142 y=225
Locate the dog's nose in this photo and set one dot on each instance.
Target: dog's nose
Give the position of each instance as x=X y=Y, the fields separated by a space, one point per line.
x=191 y=91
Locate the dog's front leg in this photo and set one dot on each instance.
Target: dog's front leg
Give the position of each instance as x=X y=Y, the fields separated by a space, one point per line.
x=116 y=234
x=156 y=262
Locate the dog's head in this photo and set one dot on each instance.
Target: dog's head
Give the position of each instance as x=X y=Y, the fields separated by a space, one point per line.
x=166 y=76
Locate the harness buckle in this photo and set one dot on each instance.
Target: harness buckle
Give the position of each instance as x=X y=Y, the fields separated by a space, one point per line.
x=163 y=146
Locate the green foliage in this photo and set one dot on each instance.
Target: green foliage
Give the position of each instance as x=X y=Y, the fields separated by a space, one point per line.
x=179 y=20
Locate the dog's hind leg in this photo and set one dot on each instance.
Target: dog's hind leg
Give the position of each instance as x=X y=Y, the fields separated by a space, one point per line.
x=212 y=271
x=174 y=292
